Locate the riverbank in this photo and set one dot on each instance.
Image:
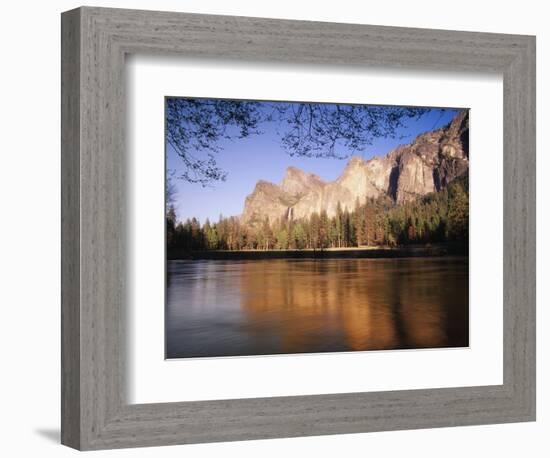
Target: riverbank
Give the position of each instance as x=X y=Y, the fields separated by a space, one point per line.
x=406 y=251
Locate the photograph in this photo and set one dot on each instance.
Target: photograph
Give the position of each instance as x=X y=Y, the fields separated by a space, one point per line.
x=298 y=227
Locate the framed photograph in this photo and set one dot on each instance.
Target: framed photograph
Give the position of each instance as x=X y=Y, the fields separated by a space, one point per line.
x=285 y=228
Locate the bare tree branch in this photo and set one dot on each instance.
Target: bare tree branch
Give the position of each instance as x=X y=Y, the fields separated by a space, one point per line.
x=195 y=127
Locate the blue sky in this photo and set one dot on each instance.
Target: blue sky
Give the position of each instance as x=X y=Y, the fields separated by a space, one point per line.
x=261 y=157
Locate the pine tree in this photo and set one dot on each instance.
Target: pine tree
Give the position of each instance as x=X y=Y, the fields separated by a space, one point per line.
x=339 y=225
x=170 y=227
x=323 y=229
x=358 y=219
x=458 y=213
x=314 y=230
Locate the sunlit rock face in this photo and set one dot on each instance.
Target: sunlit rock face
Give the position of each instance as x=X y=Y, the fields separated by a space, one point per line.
x=267 y=200
x=297 y=183
x=360 y=180
x=432 y=161
x=426 y=165
x=415 y=177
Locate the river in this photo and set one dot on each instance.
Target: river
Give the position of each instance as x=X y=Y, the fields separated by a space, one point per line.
x=278 y=306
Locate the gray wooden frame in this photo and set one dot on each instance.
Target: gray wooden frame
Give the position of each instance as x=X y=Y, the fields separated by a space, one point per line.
x=95 y=413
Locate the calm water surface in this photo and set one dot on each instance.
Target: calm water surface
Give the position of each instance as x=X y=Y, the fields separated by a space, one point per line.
x=229 y=308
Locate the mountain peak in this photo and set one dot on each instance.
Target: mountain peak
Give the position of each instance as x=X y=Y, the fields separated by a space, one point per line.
x=291 y=170
x=297 y=182
x=355 y=160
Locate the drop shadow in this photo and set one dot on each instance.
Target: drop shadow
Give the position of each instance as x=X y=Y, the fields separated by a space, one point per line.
x=53 y=435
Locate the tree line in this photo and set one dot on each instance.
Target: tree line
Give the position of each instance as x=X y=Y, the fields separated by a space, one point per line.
x=435 y=218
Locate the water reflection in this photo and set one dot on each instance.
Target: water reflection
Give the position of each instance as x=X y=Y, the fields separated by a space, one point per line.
x=222 y=308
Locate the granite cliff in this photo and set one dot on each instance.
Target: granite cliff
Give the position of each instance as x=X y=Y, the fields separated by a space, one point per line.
x=426 y=165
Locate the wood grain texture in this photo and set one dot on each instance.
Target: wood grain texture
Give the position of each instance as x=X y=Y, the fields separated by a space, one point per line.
x=70 y=229
x=96 y=414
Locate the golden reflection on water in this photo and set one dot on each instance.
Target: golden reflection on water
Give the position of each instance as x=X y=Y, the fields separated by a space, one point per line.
x=217 y=308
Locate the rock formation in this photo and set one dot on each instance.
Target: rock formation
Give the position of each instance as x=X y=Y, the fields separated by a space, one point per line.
x=426 y=165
